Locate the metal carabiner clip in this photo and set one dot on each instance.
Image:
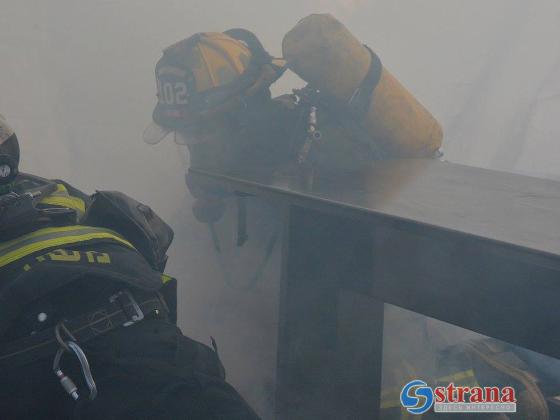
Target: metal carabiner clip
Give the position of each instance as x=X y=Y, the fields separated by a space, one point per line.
x=66 y=382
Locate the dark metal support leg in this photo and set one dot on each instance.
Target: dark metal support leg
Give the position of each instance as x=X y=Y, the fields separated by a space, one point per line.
x=330 y=332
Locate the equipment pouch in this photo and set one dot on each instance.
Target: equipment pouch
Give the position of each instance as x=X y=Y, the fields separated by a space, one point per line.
x=138 y=223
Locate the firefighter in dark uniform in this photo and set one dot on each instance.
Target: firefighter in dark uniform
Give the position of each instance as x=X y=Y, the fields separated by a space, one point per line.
x=87 y=320
x=213 y=94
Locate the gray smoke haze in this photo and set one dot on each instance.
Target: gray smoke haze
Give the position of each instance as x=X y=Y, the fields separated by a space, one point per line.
x=77 y=83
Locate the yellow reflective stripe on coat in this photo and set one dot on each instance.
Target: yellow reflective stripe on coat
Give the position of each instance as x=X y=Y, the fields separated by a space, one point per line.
x=465 y=378
x=62 y=198
x=53 y=237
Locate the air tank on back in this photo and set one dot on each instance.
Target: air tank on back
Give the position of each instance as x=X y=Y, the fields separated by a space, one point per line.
x=323 y=52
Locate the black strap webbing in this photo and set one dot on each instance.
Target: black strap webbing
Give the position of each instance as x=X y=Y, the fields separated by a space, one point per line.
x=255 y=46
x=107 y=317
x=351 y=114
x=360 y=101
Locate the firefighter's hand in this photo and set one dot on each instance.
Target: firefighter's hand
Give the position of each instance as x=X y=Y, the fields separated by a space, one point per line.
x=208 y=210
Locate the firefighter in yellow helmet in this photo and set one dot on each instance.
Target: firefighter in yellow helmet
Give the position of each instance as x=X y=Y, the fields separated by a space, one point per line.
x=220 y=81
x=206 y=76
x=213 y=94
x=87 y=317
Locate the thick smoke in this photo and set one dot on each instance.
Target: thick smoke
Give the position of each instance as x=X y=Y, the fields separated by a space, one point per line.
x=77 y=83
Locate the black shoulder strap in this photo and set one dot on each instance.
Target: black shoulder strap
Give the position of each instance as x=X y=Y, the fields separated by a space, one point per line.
x=361 y=99
x=350 y=114
x=27 y=183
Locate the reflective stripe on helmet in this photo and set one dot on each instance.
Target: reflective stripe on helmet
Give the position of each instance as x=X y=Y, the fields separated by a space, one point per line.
x=46 y=238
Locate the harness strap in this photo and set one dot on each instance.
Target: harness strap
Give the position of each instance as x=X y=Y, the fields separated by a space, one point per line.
x=257 y=49
x=38 y=186
x=120 y=310
x=360 y=100
x=349 y=115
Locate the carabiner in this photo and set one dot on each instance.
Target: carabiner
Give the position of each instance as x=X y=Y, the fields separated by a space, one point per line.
x=71 y=346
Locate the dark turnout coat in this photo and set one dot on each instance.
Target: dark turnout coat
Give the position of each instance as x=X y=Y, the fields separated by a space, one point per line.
x=71 y=262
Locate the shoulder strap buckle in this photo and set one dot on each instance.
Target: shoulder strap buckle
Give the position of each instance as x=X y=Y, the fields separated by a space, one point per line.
x=129 y=306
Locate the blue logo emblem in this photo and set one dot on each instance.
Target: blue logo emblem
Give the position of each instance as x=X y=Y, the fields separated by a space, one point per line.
x=417 y=397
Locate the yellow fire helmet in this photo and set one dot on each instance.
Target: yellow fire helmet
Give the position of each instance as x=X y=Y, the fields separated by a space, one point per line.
x=208 y=73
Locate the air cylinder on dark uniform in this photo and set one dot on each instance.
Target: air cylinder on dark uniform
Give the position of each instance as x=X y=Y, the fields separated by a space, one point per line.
x=324 y=53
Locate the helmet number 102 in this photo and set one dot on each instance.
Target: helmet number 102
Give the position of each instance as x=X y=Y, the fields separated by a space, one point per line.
x=172 y=93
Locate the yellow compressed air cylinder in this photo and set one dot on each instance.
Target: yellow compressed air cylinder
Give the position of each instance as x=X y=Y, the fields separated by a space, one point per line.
x=324 y=53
